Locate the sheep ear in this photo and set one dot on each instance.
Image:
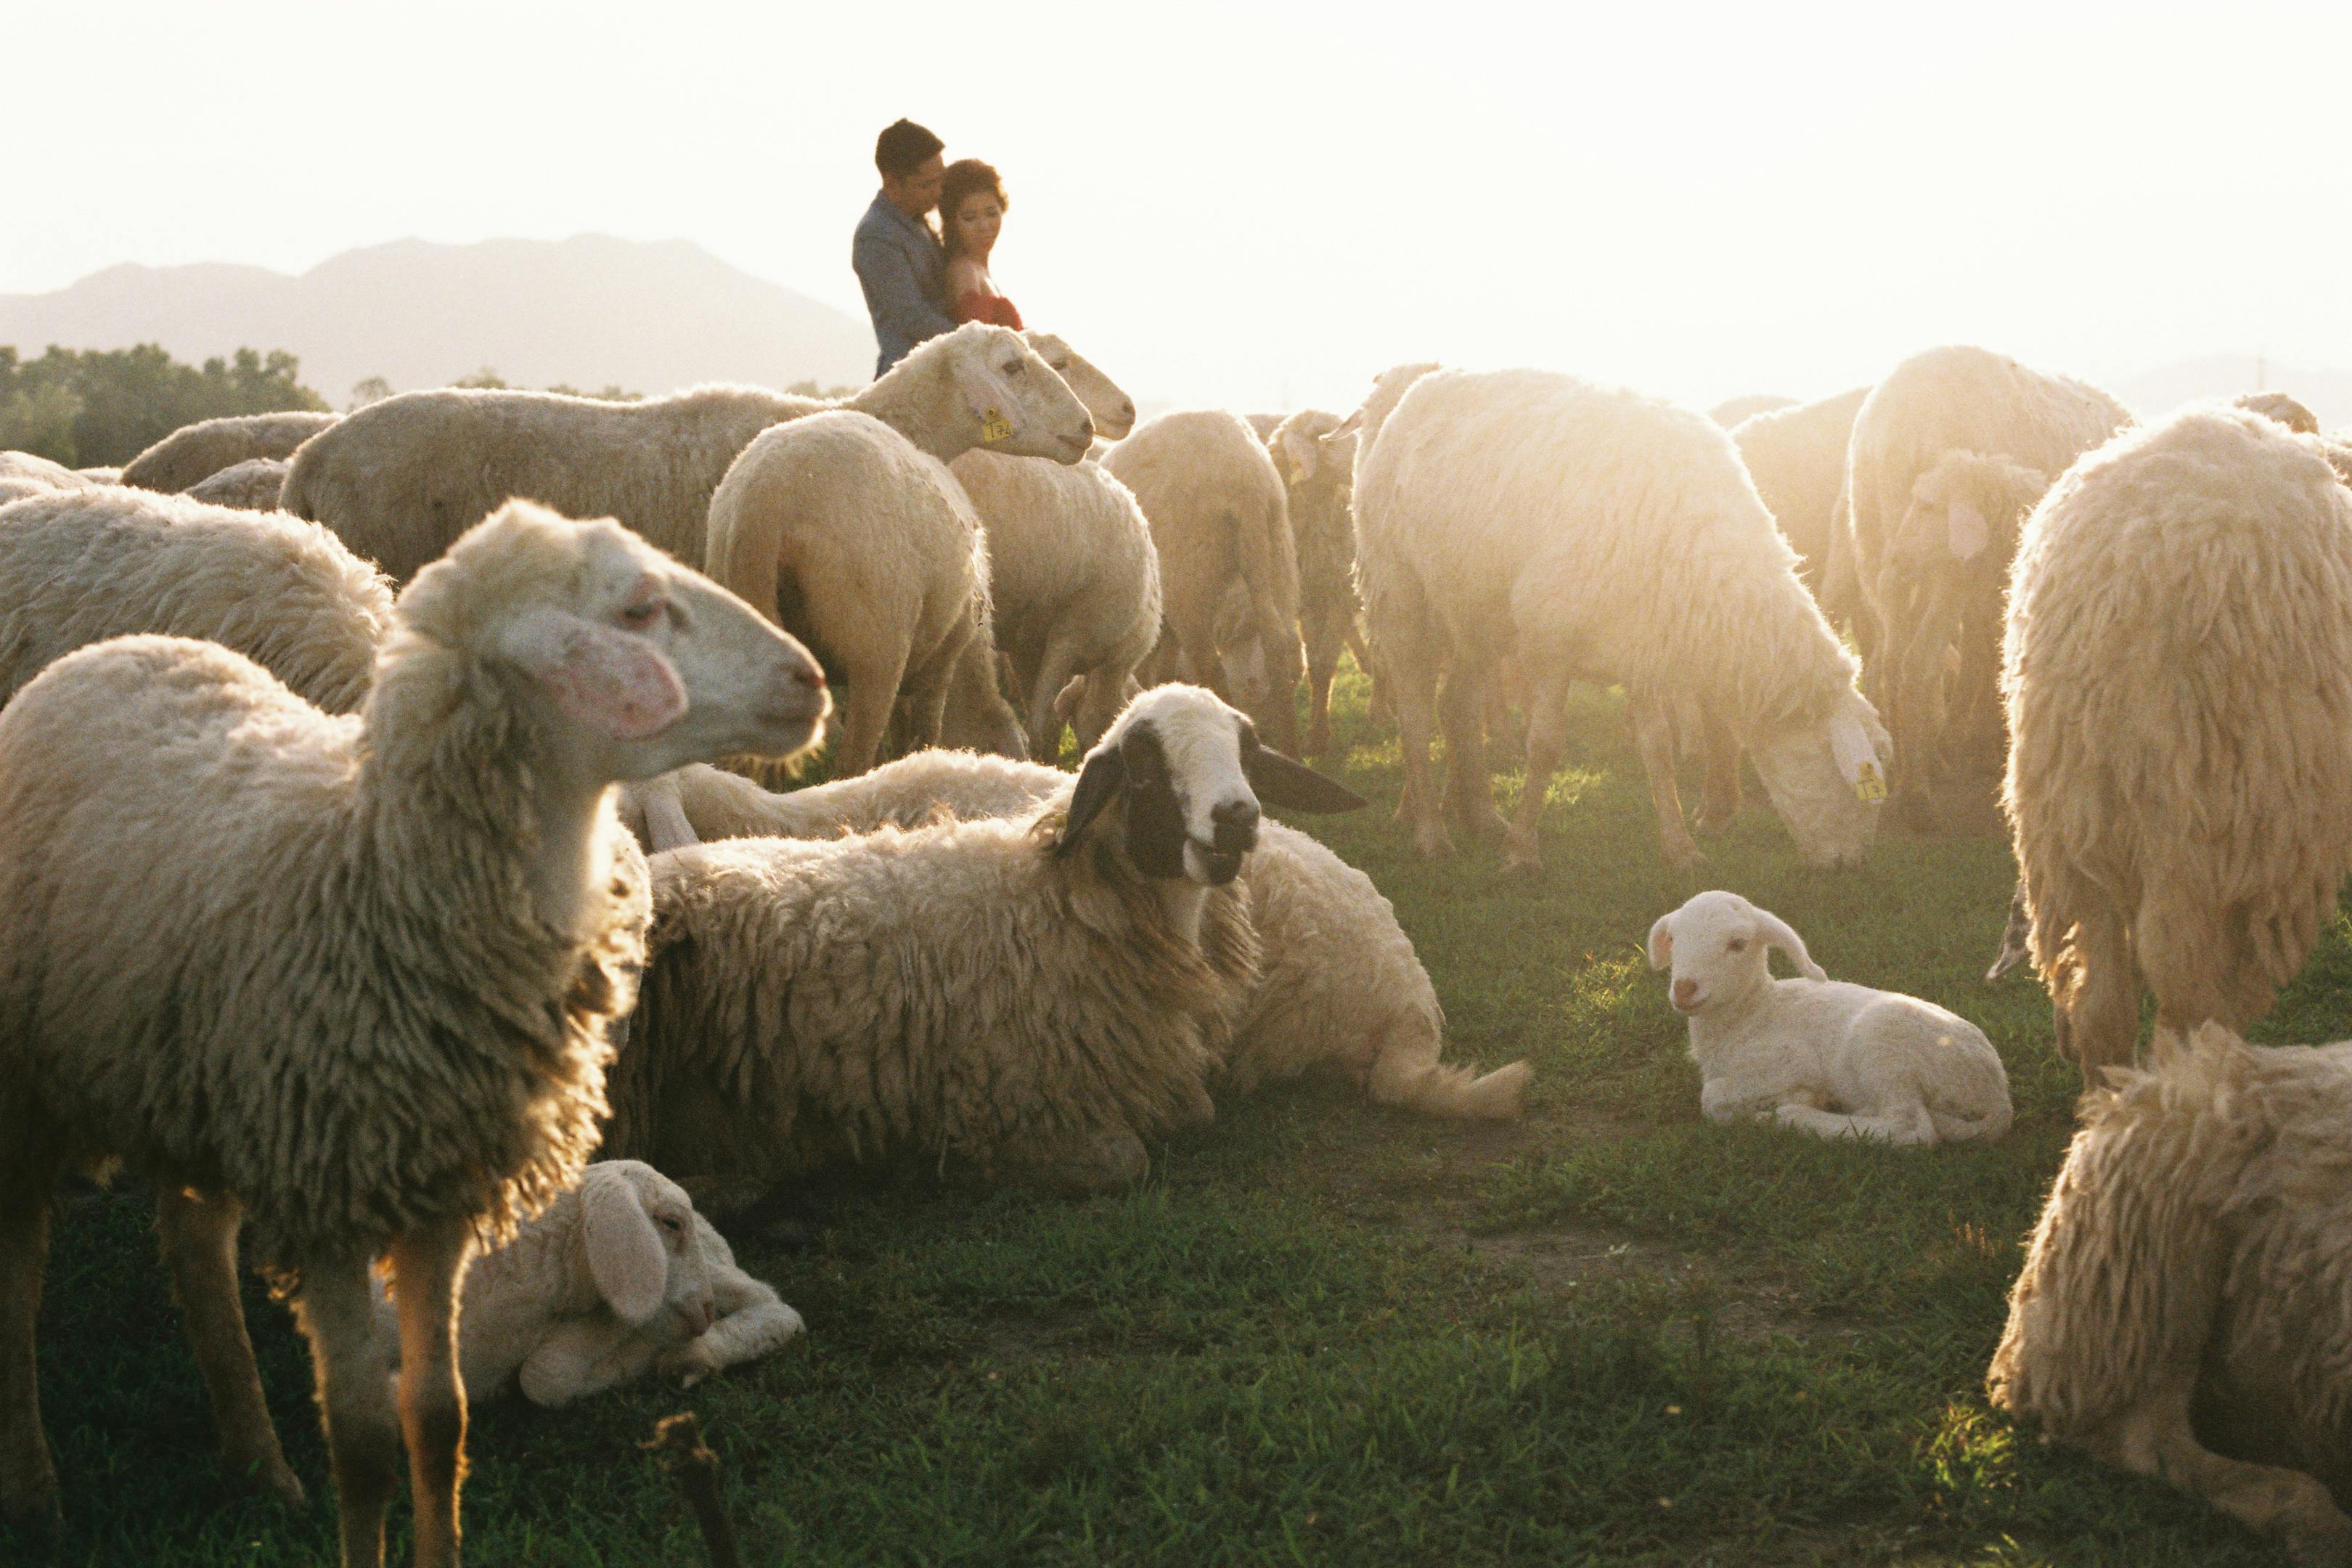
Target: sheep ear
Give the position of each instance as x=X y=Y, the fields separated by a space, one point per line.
x=624 y=1251
x=600 y=677
x=1965 y=530
x=1303 y=450
x=991 y=399
x=1775 y=930
x=1662 y=941
x=667 y=824
x=1857 y=758
x=1291 y=785
x=1104 y=775
x=1347 y=426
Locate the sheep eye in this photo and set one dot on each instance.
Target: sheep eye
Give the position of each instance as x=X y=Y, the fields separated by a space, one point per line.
x=1014 y=369
x=1739 y=944
x=671 y=1222
x=638 y=617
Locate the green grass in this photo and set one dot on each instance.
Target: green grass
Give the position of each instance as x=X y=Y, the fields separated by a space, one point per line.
x=1323 y=1333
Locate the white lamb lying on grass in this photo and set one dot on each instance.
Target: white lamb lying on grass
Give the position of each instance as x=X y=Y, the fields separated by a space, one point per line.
x=1819 y=1055
x=620 y=1275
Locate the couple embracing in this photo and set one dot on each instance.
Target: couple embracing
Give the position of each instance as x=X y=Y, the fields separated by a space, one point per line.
x=919 y=281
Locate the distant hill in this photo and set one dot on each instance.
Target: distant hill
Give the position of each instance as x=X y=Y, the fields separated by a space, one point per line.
x=590 y=311
x=2326 y=393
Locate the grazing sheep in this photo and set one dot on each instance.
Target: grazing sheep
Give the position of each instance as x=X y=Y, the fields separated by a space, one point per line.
x=2278 y=405
x=1822 y=1055
x=1796 y=455
x=1035 y=996
x=253 y=485
x=2178 y=676
x=1219 y=521
x=23 y=474
x=345 y=980
x=196 y=452
x=402 y=478
x=1593 y=535
x=79 y=566
x=1948 y=453
x=1342 y=987
x=1363 y=426
x=618 y=1277
x=2186 y=1307
x=1732 y=412
x=1319 y=476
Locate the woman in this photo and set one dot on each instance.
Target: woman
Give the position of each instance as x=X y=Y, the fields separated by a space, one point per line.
x=971 y=213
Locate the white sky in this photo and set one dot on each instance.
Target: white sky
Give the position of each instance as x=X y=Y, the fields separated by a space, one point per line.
x=1260 y=204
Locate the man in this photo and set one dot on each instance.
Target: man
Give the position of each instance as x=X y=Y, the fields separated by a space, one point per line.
x=898 y=261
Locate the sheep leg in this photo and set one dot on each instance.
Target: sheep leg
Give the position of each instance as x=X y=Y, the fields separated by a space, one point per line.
x=199 y=1238
x=584 y=1356
x=28 y=1482
x=872 y=693
x=1653 y=737
x=337 y=1315
x=1469 y=802
x=1323 y=642
x=2153 y=1437
x=925 y=690
x=1054 y=671
x=2098 y=1009
x=752 y=1321
x=1415 y=689
x=1915 y=1128
x=1546 y=743
x=428 y=1265
x=1720 y=751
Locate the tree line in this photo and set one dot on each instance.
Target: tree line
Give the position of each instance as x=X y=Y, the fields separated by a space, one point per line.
x=101 y=407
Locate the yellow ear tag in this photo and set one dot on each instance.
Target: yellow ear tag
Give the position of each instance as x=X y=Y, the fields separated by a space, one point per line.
x=1867 y=784
x=995 y=426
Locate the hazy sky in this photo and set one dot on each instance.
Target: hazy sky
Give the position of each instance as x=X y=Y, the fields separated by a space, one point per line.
x=1244 y=204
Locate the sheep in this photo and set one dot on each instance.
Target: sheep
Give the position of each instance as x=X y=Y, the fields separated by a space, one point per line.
x=1218 y=519
x=1796 y=455
x=253 y=485
x=23 y=474
x=1596 y=534
x=1734 y=411
x=1949 y=452
x=1342 y=987
x=1264 y=425
x=1822 y=1055
x=2281 y=407
x=101 y=476
x=2185 y=1310
x=2177 y=671
x=370 y=1018
x=1318 y=475
x=1036 y=995
x=1363 y=426
x=403 y=476
x=196 y=452
x=619 y=1276
x=79 y=566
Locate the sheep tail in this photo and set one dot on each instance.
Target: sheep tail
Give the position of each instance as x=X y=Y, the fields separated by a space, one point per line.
x=1961 y=1126
x=1457 y=1093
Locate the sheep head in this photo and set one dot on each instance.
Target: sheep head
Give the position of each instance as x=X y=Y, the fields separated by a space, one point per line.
x=1967 y=508
x=2288 y=411
x=642 y=1248
x=1718 y=945
x=1113 y=411
x=1002 y=395
x=1827 y=777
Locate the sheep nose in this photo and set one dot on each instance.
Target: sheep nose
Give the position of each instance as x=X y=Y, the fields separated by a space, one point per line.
x=810 y=676
x=1126 y=413
x=1234 y=826
x=1686 y=992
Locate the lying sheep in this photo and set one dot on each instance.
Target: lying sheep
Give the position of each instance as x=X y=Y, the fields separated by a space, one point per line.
x=1219 y=521
x=1593 y=535
x=2178 y=676
x=253 y=485
x=1796 y=455
x=402 y=478
x=1342 y=987
x=345 y=981
x=196 y=452
x=1035 y=996
x=618 y=1277
x=79 y=566
x=23 y=474
x=1822 y=1055
x=2184 y=1311
x=1319 y=476
x=1948 y=453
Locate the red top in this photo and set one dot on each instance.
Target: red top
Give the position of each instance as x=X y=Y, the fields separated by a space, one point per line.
x=995 y=309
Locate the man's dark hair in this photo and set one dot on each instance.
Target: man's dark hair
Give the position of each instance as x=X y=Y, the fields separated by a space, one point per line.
x=905 y=144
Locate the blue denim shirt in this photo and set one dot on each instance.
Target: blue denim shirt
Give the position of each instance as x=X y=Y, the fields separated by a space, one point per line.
x=905 y=275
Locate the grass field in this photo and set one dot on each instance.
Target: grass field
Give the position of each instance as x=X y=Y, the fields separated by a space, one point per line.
x=1323 y=1333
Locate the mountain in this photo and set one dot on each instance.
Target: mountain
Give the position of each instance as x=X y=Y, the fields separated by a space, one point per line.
x=2326 y=393
x=591 y=311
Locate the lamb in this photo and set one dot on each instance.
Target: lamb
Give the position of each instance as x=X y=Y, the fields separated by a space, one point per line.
x=1342 y=988
x=25 y=474
x=196 y=452
x=1593 y=534
x=1035 y=996
x=1732 y=412
x=619 y=1276
x=1822 y=1055
x=2193 y=1257
x=1948 y=453
x=402 y=478
x=1796 y=455
x=370 y=1020
x=1218 y=520
x=2178 y=677
x=79 y=566
x=253 y=485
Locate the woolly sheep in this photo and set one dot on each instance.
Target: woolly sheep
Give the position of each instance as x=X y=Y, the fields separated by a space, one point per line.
x=402 y=478
x=1342 y=987
x=253 y=485
x=1264 y=425
x=1819 y=1055
x=101 y=476
x=23 y=474
x=369 y=1019
x=1218 y=520
x=196 y=452
x=1035 y=996
x=1734 y=411
x=2192 y=1258
x=619 y=1276
x=1948 y=453
x=1318 y=476
x=79 y=566
x=1595 y=534
x=2178 y=677
x=2279 y=405
x=1796 y=455
x=1363 y=426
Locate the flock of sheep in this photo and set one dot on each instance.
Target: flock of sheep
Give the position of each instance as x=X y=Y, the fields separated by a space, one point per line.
x=321 y=909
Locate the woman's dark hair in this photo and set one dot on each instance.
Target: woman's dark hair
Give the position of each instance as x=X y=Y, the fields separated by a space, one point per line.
x=965 y=177
x=902 y=146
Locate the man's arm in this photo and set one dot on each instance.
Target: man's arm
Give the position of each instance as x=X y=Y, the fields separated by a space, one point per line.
x=894 y=296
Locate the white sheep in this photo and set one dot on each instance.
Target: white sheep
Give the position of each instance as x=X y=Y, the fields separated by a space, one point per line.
x=253 y=485
x=25 y=474
x=1319 y=471
x=1593 y=534
x=402 y=478
x=1796 y=455
x=1822 y=1055
x=1734 y=411
x=101 y=476
x=196 y=452
x=345 y=981
x=2185 y=1310
x=618 y=1277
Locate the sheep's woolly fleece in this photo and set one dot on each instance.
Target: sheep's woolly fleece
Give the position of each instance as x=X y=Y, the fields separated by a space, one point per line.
x=196 y=452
